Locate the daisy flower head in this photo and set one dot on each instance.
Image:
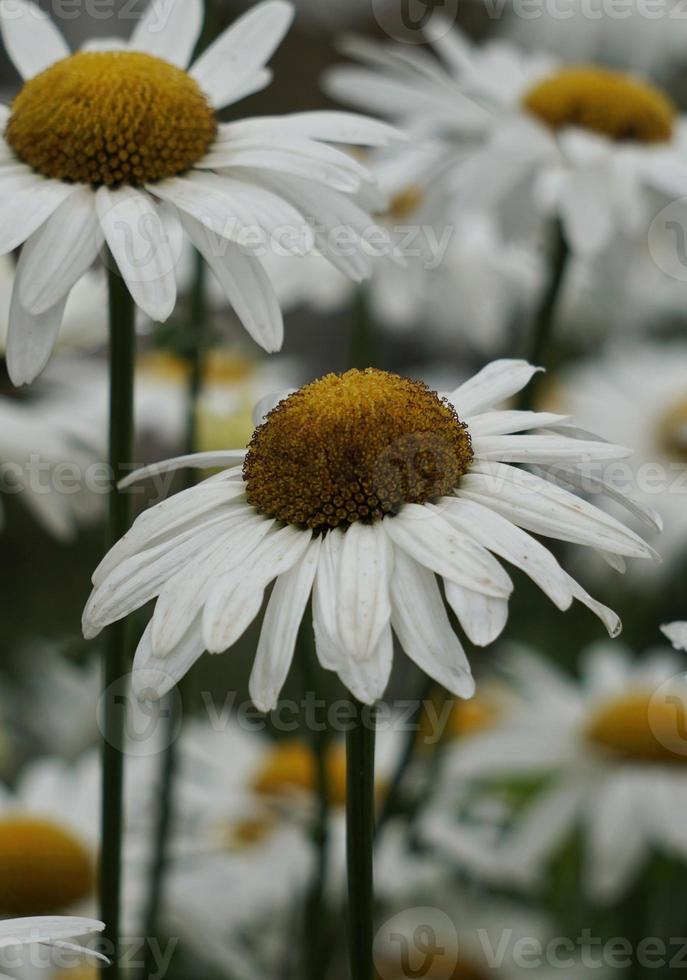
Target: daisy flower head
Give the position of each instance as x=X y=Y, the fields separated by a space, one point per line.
x=589 y=143
x=119 y=144
x=607 y=756
x=360 y=489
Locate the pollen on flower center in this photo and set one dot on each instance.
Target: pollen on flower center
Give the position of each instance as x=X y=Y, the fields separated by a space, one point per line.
x=672 y=434
x=111 y=118
x=606 y=102
x=638 y=728
x=43 y=867
x=355 y=447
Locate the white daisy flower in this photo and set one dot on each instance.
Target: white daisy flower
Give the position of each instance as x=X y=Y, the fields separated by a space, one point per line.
x=60 y=932
x=588 y=142
x=637 y=393
x=677 y=634
x=48 y=443
x=98 y=143
x=360 y=489
x=610 y=754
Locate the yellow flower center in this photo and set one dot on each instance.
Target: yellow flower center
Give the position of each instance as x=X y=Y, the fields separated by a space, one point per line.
x=672 y=433
x=355 y=447
x=249 y=833
x=464 y=718
x=606 y=102
x=639 y=728
x=439 y=963
x=85 y=972
x=405 y=204
x=111 y=118
x=290 y=767
x=43 y=867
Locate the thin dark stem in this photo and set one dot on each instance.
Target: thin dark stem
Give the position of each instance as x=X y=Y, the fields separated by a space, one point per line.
x=315 y=935
x=117 y=649
x=544 y=320
x=169 y=763
x=394 y=797
x=363 y=350
x=360 y=822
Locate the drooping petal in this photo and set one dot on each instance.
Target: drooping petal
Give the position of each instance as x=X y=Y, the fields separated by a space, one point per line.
x=279 y=633
x=368 y=679
x=31 y=339
x=170 y=30
x=420 y=622
x=482 y=617
x=32 y=40
x=141 y=248
x=153 y=677
x=27 y=200
x=364 y=567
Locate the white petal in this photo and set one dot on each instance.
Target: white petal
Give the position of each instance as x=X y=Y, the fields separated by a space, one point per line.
x=141 y=248
x=325 y=599
x=241 y=51
x=105 y=44
x=420 y=622
x=60 y=252
x=246 y=285
x=505 y=423
x=31 y=339
x=198 y=461
x=330 y=127
x=279 y=633
x=367 y=680
x=617 y=846
x=494 y=384
x=169 y=30
x=237 y=597
x=677 y=634
x=547 y=822
x=586 y=210
x=364 y=566
x=512 y=544
x=543 y=508
x=482 y=617
x=26 y=202
x=32 y=40
x=427 y=537
x=610 y=619
x=45 y=929
x=153 y=677
x=587 y=481
x=545 y=449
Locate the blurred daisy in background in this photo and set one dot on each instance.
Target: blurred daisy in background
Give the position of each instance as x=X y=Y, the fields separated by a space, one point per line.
x=606 y=757
x=588 y=143
x=636 y=392
x=317 y=505
x=76 y=171
x=677 y=634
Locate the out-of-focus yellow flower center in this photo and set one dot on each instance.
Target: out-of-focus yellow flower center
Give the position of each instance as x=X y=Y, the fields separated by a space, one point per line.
x=672 y=433
x=111 y=118
x=355 y=447
x=405 y=204
x=610 y=103
x=43 y=867
x=249 y=833
x=440 y=964
x=639 y=727
x=465 y=718
x=85 y=972
x=290 y=767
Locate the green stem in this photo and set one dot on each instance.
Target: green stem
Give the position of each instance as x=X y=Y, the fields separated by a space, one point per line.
x=363 y=348
x=117 y=648
x=169 y=762
x=315 y=943
x=360 y=821
x=544 y=320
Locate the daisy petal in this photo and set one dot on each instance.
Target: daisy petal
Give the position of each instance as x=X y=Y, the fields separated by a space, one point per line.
x=428 y=538
x=279 y=633
x=364 y=567
x=325 y=601
x=242 y=51
x=420 y=622
x=482 y=617
x=617 y=845
x=491 y=386
x=330 y=127
x=105 y=44
x=546 y=449
x=610 y=619
x=506 y=423
x=60 y=252
x=32 y=40
x=45 y=929
x=246 y=285
x=31 y=339
x=153 y=677
x=196 y=461
x=140 y=247
x=170 y=30
x=677 y=634
x=368 y=680
x=26 y=202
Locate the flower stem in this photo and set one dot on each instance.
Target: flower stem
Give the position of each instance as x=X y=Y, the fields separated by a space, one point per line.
x=315 y=933
x=117 y=649
x=360 y=823
x=169 y=761
x=363 y=349
x=544 y=320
